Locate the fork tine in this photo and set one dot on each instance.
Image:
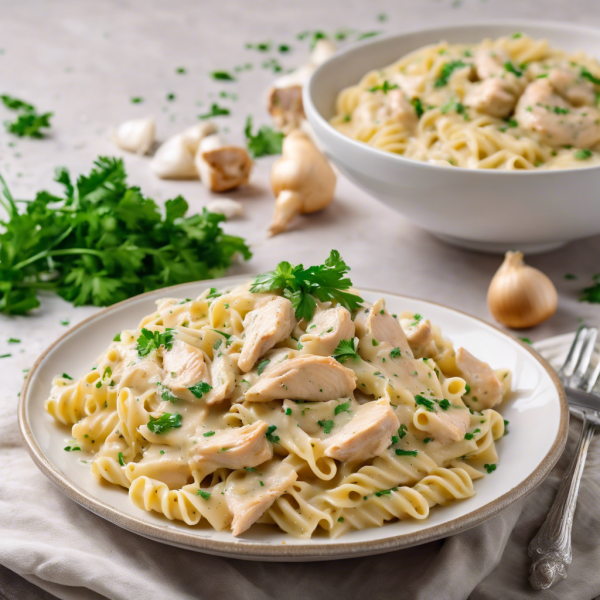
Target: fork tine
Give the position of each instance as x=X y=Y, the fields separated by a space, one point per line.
x=579 y=379
x=593 y=379
x=568 y=368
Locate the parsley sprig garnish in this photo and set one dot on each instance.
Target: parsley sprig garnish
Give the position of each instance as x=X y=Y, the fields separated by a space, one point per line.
x=326 y=282
x=447 y=71
x=345 y=350
x=153 y=340
x=28 y=122
x=103 y=241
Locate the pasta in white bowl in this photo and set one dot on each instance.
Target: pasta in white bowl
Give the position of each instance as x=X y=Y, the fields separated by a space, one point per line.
x=535 y=407
x=247 y=405
x=495 y=181
x=510 y=103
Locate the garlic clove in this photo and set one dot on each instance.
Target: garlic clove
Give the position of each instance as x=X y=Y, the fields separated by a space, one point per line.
x=175 y=158
x=231 y=209
x=521 y=296
x=135 y=136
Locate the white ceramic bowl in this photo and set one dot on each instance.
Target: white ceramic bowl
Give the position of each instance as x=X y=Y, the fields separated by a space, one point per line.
x=485 y=210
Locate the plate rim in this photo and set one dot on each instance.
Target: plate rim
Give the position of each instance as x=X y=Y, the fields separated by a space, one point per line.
x=307 y=552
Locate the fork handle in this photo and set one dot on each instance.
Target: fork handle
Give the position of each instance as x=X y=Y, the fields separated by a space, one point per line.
x=551 y=547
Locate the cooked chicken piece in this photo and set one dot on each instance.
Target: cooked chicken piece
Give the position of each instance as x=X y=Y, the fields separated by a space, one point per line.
x=368 y=433
x=305 y=377
x=397 y=107
x=486 y=389
x=446 y=426
x=232 y=448
x=271 y=323
x=571 y=87
x=489 y=62
x=248 y=496
x=222 y=167
x=140 y=376
x=420 y=334
x=382 y=326
x=491 y=97
x=184 y=367
x=542 y=110
x=411 y=85
x=326 y=330
x=222 y=375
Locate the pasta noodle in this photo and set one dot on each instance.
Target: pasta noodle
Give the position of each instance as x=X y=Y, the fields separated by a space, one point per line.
x=226 y=410
x=513 y=103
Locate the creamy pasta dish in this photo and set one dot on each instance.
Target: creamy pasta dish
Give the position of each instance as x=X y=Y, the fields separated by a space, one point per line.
x=509 y=103
x=287 y=401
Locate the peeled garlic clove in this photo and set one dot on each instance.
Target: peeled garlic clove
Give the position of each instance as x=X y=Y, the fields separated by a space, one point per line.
x=520 y=296
x=226 y=206
x=175 y=158
x=135 y=136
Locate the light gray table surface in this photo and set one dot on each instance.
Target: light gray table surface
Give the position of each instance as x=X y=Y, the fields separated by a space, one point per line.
x=85 y=60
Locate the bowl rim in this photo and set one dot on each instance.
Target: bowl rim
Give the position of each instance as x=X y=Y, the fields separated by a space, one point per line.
x=305 y=552
x=316 y=120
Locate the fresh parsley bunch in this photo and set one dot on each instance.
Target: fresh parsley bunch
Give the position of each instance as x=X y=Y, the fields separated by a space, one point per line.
x=301 y=286
x=103 y=241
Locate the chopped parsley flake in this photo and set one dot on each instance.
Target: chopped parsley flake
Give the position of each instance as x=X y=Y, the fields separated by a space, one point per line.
x=200 y=389
x=326 y=425
x=401 y=452
x=345 y=407
x=215 y=111
x=222 y=76
x=444 y=404
x=402 y=431
x=346 y=350
x=583 y=154
x=446 y=72
x=490 y=468
x=512 y=69
x=428 y=404
x=263 y=365
x=208 y=434
x=385 y=87
x=121 y=461
x=164 y=423
x=153 y=340
x=395 y=353
x=272 y=438
x=204 y=495
x=470 y=436
x=288 y=411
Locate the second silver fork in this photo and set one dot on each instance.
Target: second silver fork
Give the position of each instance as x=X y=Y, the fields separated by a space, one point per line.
x=551 y=547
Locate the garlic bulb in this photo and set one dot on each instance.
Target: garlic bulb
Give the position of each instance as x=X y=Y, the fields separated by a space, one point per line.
x=135 y=136
x=520 y=296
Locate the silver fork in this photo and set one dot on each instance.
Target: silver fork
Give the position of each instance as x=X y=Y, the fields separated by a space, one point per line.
x=551 y=547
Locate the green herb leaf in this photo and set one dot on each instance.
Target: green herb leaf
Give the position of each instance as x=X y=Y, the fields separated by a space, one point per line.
x=385 y=87
x=200 y=389
x=153 y=340
x=272 y=438
x=585 y=74
x=28 y=123
x=490 y=468
x=222 y=76
x=401 y=452
x=345 y=407
x=263 y=365
x=402 y=431
x=164 y=423
x=428 y=404
x=266 y=141
x=204 y=495
x=512 y=69
x=326 y=425
x=215 y=111
x=345 y=350
x=326 y=282
x=416 y=102
x=121 y=461
x=447 y=71
x=583 y=154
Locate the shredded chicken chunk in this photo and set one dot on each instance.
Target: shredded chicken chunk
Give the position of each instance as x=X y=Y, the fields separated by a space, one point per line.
x=253 y=494
x=184 y=366
x=492 y=97
x=305 y=377
x=382 y=326
x=448 y=426
x=232 y=448
x=542 y=110
x=326 y=330
x=266 y=326
x=486 y=389
x=366 y=435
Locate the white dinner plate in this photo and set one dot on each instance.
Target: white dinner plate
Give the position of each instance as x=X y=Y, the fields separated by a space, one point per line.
x=537 y=411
